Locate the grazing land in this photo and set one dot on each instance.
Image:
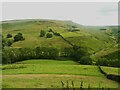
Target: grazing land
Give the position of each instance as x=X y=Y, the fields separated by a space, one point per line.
x=38 y=72
x=41 y=53
x=111 y=70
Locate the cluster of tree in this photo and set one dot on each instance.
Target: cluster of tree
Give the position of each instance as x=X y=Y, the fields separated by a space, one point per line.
x=108 y=62
x=8 y=41
x=111 y=59
x=49 y=34
x=43 y=33
x=12 y=55
x=55 y=33
x=17 y=37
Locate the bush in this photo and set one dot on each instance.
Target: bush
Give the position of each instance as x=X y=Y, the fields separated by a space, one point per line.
x=102 y=61
x=85 y=60
x=49 y=35
x=50 y=30
x=67 y=52
x=19 y=37
x=57 y=34
x=9 y=35
x=42 y=33
x=79 y=53
x=9 y=42
x=3 y=43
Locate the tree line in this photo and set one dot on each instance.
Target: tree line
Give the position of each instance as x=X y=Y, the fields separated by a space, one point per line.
x=11 y=55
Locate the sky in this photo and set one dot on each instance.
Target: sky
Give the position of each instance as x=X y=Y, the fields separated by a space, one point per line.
x=85 y=13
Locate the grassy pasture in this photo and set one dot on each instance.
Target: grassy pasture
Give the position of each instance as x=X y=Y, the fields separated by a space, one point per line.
x=50 y=73
x=53 y=67
x=111 y=70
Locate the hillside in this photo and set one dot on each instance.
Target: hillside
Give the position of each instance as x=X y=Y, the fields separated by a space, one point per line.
x=95 y=38
x=58 y=54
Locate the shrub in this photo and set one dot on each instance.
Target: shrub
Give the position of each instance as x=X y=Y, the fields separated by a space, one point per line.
x=9 y=42
x=57 y=34
x=9 y=35
x=102 y=61
x=3 y=43
x=86 y=60
x=19 y=37
x=49 y=35
x=42 y=33
x=79 y=53
x=50 y=30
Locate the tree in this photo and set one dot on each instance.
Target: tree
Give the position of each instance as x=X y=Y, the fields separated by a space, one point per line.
x=49 y=35
x=3 y=42
x=53 y=53
x=9 y=42
x=38 y=52
x=9 y=35
x=57 y=34
x=86 y=60
x=68 y=52
x=79 y=52
x=50 y=30
x=42 y=33
x=102 y=61
x=18 y=37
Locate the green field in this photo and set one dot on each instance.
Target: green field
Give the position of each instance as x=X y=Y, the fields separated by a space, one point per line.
x=111 y=70
x=42 y=73
x=50 y=73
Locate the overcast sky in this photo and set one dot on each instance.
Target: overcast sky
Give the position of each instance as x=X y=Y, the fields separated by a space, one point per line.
x=93 y=13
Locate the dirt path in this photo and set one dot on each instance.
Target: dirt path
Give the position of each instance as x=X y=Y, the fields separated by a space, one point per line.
x=44 y=75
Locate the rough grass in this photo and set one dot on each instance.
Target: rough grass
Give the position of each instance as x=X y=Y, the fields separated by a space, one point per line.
x=31 y=30
x=90 y=37
x=54 y=81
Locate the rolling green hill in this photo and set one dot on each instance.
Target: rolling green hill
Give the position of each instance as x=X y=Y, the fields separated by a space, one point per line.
x=36 y=65
x=96 y=39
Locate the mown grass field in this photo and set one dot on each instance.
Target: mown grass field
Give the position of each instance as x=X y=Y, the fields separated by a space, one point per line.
x=50 y=73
